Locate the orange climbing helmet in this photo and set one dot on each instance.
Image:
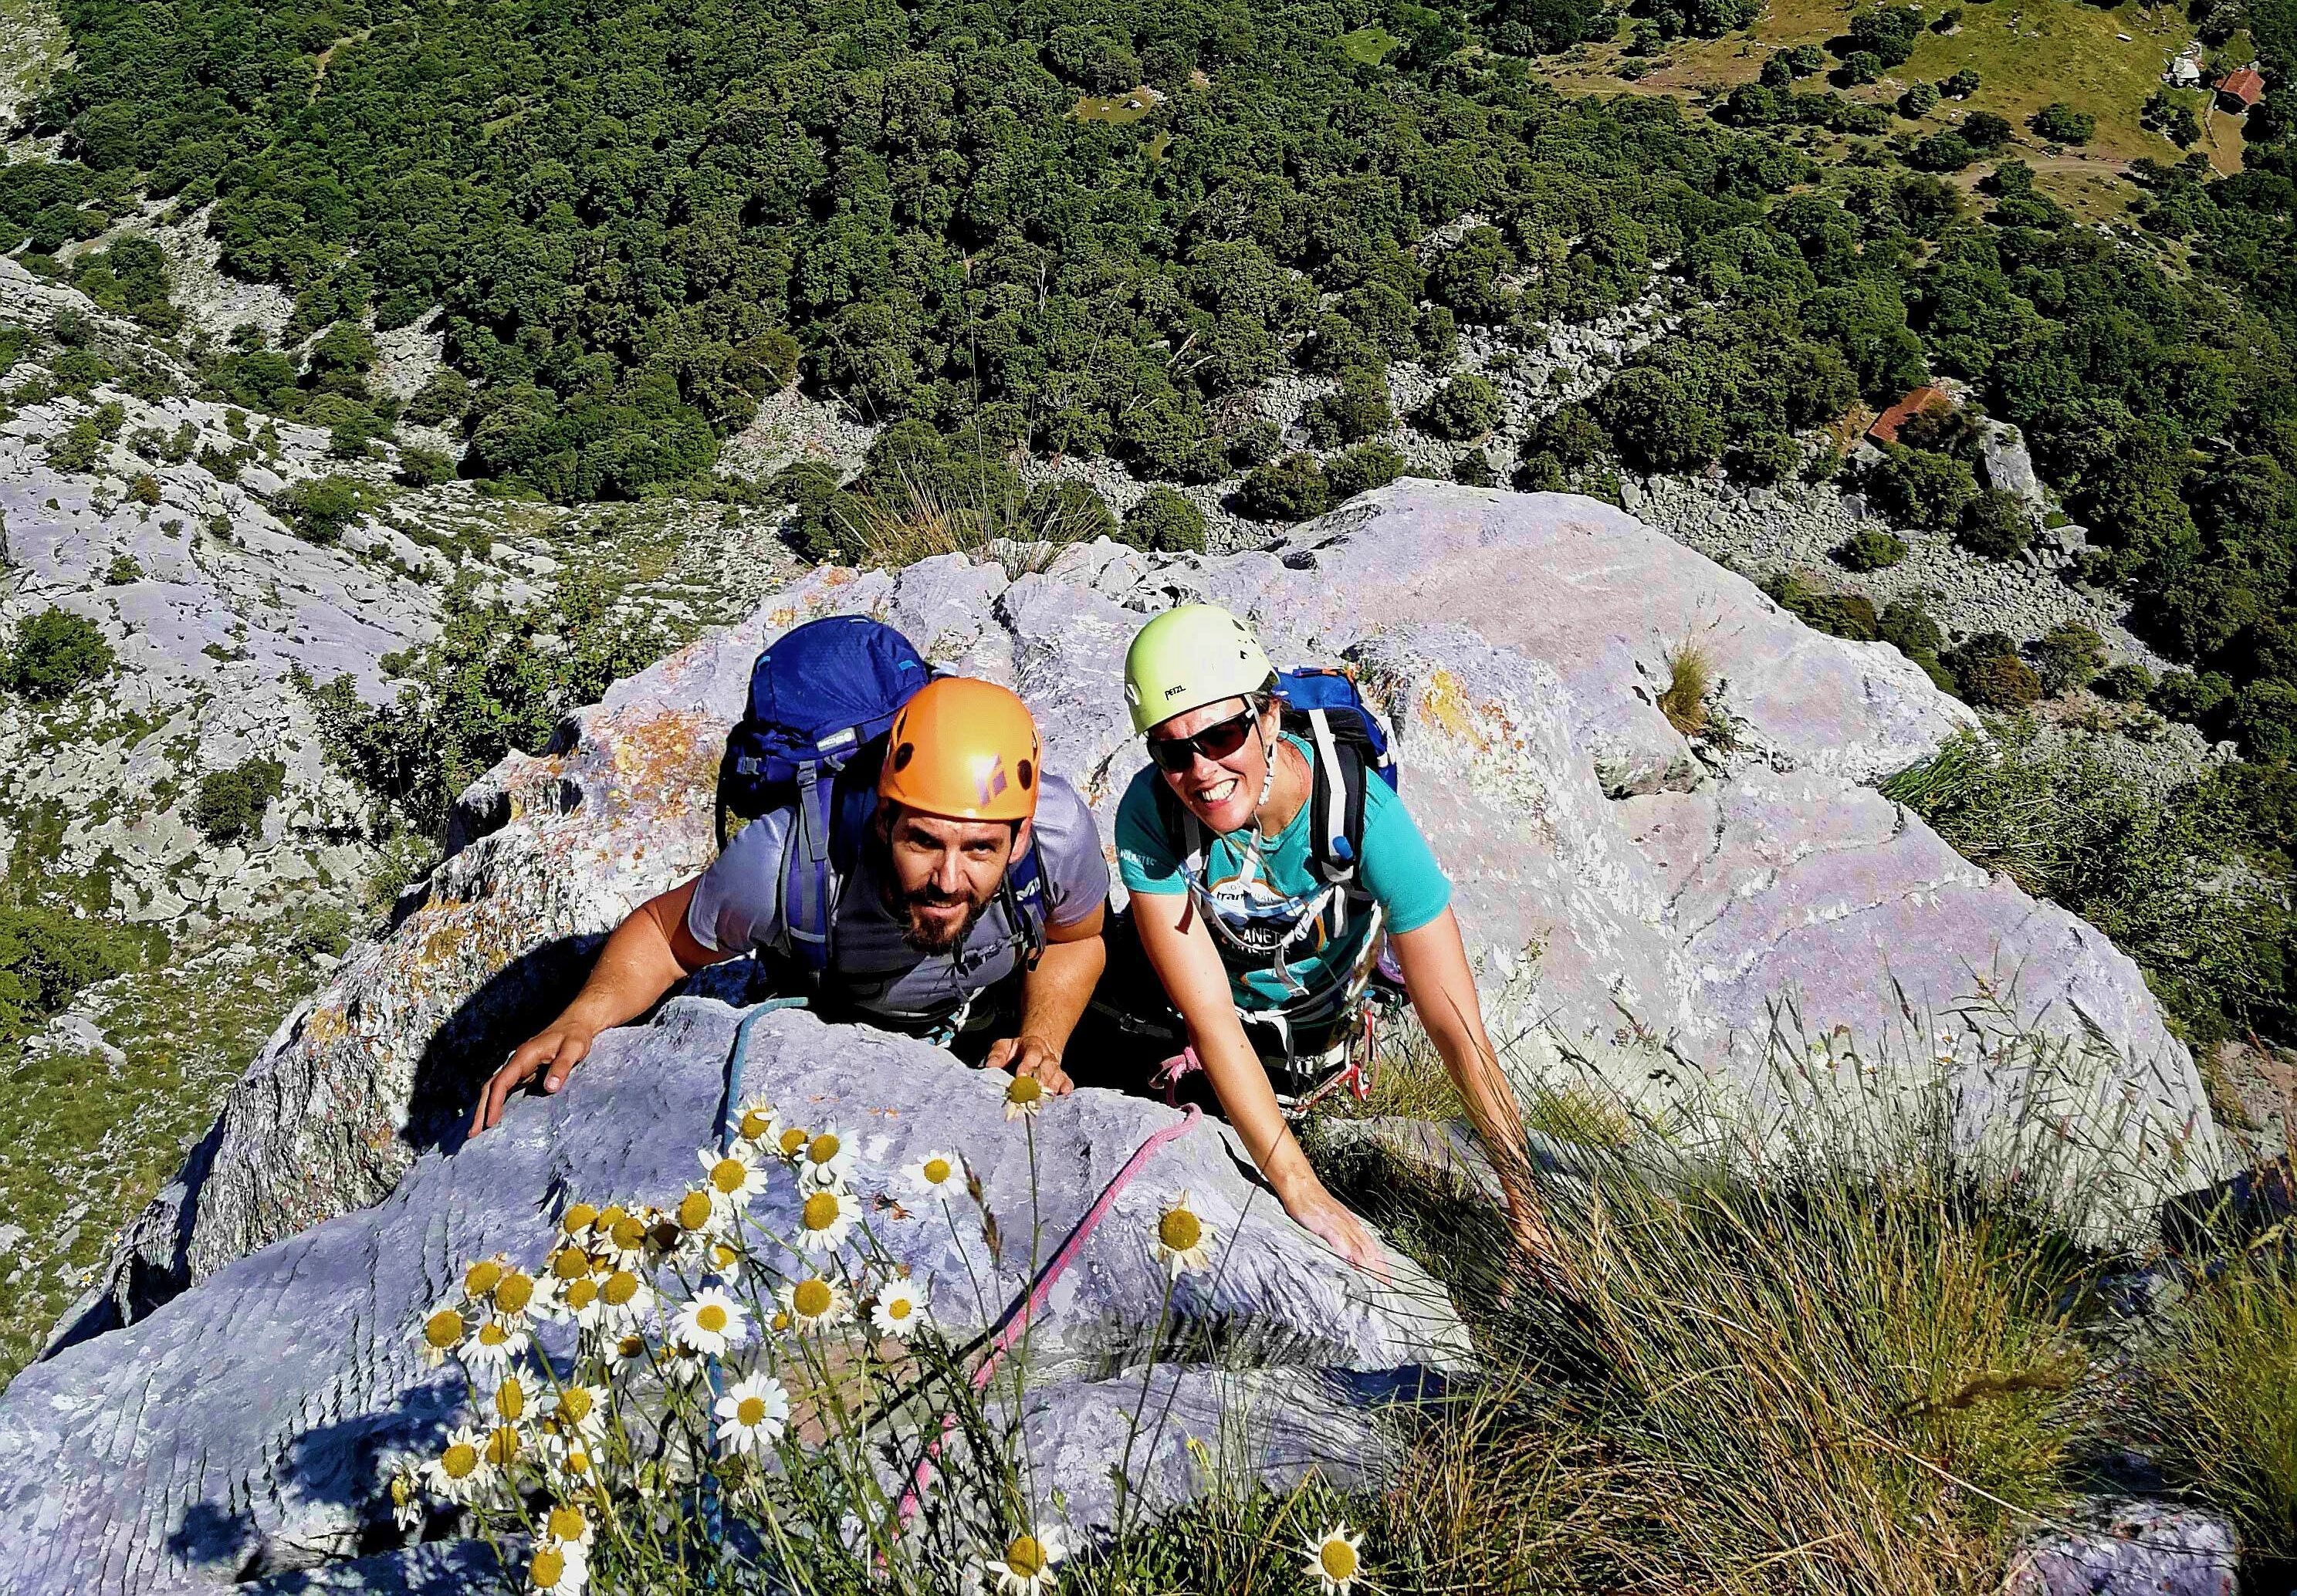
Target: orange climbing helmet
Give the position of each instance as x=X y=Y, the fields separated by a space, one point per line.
x=965 y=749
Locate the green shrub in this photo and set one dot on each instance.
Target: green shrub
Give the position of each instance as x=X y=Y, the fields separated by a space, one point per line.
x=1764 y=459
x=1995 y=525
x=2195 y=698
x=1862 y=66
x=78 y=448
x=122 y=570
x=1362 y=469
x=1871 y=550
x=1467 y=407
x=1292 y=489
x=1849 y=615
x=2069 y=655
x=48 y=954
x=2262 y=718
x=55 y=654
x=1475 y=469
x=1988 y=673
x=1963 y=83
x=2062 y=124
x=230 y=803
x=1067 y=512
x=443 y=398
x=1163 y=520
x=1919 y=100
x=1916 y=488
x=1359 y=410
x=2126 y=681
x=1906 y=627
x=320 y=509
x=424 y=468
x=1255 y=443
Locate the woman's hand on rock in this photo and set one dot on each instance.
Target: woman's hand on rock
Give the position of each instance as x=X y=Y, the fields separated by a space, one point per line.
x=1326 y=1217
x=554 y=1053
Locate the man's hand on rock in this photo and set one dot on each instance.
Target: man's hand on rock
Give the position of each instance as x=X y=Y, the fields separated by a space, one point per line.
x=556 y=1053
x=1030 y=1056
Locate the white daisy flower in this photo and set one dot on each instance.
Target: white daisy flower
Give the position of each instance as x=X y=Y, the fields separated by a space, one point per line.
x=557 y=1569
x=699 y=1213
x=786 y=1139
x=725 y=1259
x=1183 y=1240
x=406 y=1497
x=508 y=1399
x=461 y=1470
x=1024 y=1097
x=710 y=1322
x=577 y=1300
x=632 y=1353
x=733 y=1177
x=937 y=1174
x=900 y=1309
x=752 y=1413
x=564 y=1525
x=1027 y=1566
x=568 y=1261
x=620 y=1234
x=827 y=1159
x=825 y=1218
x=514 y=1294
x=573 y=1467
x=1336 y=1559
x=579 y=1411
x=491 y=1348
x=625 y=1301
x=442 y=1331
x=757 y=1123
x=815 y=1304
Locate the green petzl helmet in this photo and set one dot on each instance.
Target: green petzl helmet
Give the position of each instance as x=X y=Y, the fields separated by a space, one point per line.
x=1189 y=657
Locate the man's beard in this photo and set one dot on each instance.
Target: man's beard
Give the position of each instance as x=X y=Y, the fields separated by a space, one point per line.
x=915 y=935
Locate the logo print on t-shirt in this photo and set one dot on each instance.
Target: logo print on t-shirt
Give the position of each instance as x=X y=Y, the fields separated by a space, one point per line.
x=1260 y=917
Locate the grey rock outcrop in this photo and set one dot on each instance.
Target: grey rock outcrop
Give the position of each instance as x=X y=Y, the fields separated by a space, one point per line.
x=1517 y=641
x=2130 y=1547
x=248 y=1428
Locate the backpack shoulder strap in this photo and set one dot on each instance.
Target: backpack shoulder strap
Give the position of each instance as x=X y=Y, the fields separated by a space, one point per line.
x=1335 y=803
x=826 y=824
x=1024 y=892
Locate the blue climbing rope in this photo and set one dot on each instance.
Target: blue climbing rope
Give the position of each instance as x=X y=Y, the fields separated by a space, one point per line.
x=736 y=1059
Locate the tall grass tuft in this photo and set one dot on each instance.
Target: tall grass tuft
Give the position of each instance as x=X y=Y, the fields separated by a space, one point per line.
x=1690 y=679
x=919 y=521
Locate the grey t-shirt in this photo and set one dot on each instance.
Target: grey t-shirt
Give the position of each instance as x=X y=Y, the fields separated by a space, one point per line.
x=873 y=973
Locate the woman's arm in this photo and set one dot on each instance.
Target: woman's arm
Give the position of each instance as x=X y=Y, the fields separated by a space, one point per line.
x=1443 y=992
x=1180 y=947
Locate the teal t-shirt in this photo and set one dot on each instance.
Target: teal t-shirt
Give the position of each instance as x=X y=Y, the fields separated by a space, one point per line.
x=1257 y=901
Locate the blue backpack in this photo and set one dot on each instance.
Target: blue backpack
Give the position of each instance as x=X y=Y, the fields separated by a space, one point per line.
x=810 y=740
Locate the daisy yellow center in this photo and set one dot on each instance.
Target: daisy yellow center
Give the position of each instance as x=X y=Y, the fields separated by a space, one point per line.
x=693 y=1210
x=822 y=1150
x=613 y=1214
x=582 y=1292
x=510 y=1398
x=812 y=1298
x=780 y=1320
x=936 y=1171
x=725 y=1254
x=620 y=1287
x=1337 y=1560
x=728 y=1174
x=442 y=1329
x=578 y=1461
x=581 y=1216
x=712 y=1318
x=750 y=1413
x=491 y=1334
x=755 y=1123
x=1024 y=1555
x=821 y=1210
x=1025 y=1089
x=793 y=1141
x=548 y=1567
x=898 y=1308
x=480 y=1276
x=513 y=1291
x=575 y=1402
x=570 y=1263
x=1179 y=1230
x=567 y=1524
x=458 y=1459
x=630 y=1345
x=502 y=1447
x=628 y=1232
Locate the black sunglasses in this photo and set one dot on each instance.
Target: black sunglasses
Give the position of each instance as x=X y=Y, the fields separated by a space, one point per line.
x=1215 y=742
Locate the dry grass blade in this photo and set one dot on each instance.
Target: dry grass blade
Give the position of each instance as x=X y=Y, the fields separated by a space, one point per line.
x=1690 y=679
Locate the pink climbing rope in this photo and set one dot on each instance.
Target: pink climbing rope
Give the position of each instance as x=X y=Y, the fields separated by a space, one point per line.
x=1017 y=1318
x=1173 y=1070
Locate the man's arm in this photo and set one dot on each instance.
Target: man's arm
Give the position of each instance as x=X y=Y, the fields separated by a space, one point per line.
x=648 y=955
x=1443 y=992
x=1182 y=951
x=1053 y=997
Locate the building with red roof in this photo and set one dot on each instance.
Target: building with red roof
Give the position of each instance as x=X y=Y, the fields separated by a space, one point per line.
x=1925 y=400
x=2243 y=89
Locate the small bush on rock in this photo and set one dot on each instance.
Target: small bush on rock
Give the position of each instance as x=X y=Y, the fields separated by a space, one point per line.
x=1358 y=411
x=1163 y=522
x=1849 y=615
x=1467 y=407
x=2066 y=657
x=230 y=803
x=1362 y=469
x=1995 y=525
x=320 y=509
x=1871 y=550
x=1475 y=469
x=1067 y=512
x=424 y=468
x=55 y=654
x=1988 y=673
x=1764 y=459
x=2126 y=681
x=1916 y=488
x=1292 y=489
